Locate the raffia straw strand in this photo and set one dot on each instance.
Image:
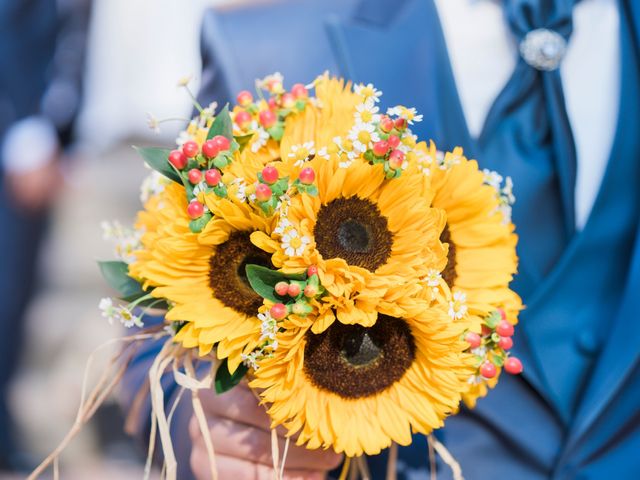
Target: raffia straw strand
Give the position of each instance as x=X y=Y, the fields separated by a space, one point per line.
x=363 y=468
x=284 y=456
x=392 y=463
x=433 y=472
x=200 y=416
x=345 y=469
x=275 y=454
x=448 y=459
x=160 y=364
x=100 y=392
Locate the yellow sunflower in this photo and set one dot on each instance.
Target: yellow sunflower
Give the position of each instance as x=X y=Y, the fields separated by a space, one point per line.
x=202 y=275
x=357 y=389
x=481 y=256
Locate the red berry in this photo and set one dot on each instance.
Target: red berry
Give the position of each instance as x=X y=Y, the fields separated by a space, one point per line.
x=190 y=148
x=312 y=270
x=504 y=329
x=396 y=159
x=212 y=177
x=486 y=330
x=267 y=118
x=307 y=176
x=488 y=370
x=210 y=149
x=310 y=291
x=288 y=100
x=195 y=209
x=243 y=119
x=386 y=124
x=299 y=91
x=278 y=311
x=505 y=343
x=294 y=290
x=273 y=105
x=195 y=176
x=473 y=339
x=282 y=288
x=244 y=98
x=400 y=123
x=178 y=159
x=513 y=365
x=502 y=313
x=380 y=148
x=223 y=143
x=394 y=141
x=263 y=192
x=270 y=174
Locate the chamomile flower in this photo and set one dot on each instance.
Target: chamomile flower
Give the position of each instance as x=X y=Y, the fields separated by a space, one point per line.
x=293 y=243
x=362 y=135
x=302 y=153
x=127 y=240
x=458 y=306
x=367 y=112
x=492 y=178
x=153 y=185
x=368 y=92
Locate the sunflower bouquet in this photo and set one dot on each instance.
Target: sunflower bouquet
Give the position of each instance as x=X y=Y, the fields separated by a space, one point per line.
x=303 y=239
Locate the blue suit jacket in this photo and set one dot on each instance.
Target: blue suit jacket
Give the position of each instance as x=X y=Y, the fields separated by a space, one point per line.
x=522 y=429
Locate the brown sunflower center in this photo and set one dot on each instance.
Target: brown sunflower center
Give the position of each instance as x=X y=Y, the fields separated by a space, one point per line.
x=227 y=275
x=449 y=273
x=354 y=362
x=353 y=229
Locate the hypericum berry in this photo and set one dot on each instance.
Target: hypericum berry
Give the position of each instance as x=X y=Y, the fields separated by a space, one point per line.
x=282 y=288
x=244 y=98
x=288 y=100
x=380 y=148
x=312 y=270
x=307 y=176
x=386 y=124
x=195 y=176
x=267 y=118
x=473 y=339
x=210 y=149
x=299 y=91
x=178 y=159
x=300 y=308
x=513 y=365
x=394 y=141
x=310 y=291
x=243 y=119
x=190 y=148
x=212 y=177
x=278 y=311
x=294 y=290
x=396 y=159
x=504 y=329
x=400 y=123
x=270 y=174
x=195 y=209
x=505 y=343
x=223 y=143
x=488 y=370
x=502 y=313
x=273 y=105
x=263 y=192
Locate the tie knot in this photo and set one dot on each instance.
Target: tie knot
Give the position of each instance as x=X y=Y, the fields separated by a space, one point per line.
x=543 y=49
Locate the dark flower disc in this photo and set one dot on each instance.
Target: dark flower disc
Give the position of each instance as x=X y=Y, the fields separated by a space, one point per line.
x=354 y=362
x=353 y=229
x=227 y=275
x=449 y=273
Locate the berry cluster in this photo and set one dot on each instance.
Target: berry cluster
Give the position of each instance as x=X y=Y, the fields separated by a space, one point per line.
x=492 y=346
x=297 y=295
x=271 y=187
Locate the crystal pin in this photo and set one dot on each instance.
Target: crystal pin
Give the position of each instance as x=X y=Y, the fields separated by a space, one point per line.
x=543 y=49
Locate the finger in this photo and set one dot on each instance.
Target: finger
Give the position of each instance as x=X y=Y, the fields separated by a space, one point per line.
x=254 y=444
x=239 y=404
x=239 y=469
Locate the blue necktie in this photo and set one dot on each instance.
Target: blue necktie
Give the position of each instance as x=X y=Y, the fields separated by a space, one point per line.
x=528 y=128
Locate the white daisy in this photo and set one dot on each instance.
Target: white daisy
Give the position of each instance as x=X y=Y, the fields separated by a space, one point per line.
x=492 y=178
x=367 y=112
x=302 y=153
x=362 y=135
x=293 y=244
x=458 y=306
x=368 y=92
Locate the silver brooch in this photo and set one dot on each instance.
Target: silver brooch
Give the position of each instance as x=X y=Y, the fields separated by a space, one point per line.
x=543 y=49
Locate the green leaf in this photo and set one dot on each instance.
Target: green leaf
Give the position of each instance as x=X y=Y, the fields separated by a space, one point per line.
x=222 y=125
x=116 y=274
x=225 y=380
x=198 y=224
x=243 y=140
x=263 y=281
x=277 y=131
x=158 y=159
x=497 y=360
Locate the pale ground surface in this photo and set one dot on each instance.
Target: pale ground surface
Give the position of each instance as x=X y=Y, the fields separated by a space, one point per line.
x=65 y=326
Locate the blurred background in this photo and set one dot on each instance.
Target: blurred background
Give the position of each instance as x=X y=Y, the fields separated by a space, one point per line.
x=134 y=54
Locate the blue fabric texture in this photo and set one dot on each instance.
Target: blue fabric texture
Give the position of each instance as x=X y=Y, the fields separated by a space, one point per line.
x=574 y=413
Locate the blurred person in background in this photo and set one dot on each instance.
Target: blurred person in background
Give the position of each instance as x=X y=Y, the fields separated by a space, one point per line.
x=41 y=53
x=545 y=91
